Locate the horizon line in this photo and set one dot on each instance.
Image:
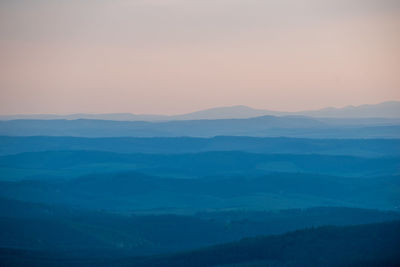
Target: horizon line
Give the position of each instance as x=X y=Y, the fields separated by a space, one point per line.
x=200 y=110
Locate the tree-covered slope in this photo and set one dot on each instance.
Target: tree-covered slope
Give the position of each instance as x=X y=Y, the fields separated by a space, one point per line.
x=363 y=245
x=360 y=245
x=72 y=164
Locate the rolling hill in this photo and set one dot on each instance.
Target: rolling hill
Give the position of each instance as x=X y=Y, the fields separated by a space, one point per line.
x=353 y=147
x=364 y=245
x=360 y=245
x=53 y=165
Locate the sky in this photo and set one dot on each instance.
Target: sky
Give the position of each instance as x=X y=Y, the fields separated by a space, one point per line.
x=177 y=56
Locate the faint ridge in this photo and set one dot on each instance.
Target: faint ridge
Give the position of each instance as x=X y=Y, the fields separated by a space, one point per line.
x=388 y=109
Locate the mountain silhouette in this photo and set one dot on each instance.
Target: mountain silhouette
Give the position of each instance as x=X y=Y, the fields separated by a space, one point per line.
x=390 y=109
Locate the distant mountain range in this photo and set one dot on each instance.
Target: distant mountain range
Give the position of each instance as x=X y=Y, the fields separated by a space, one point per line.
x=389 y=109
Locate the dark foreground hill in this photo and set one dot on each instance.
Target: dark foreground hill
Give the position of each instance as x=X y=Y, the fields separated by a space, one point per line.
x=362 y=245
x=53 y=228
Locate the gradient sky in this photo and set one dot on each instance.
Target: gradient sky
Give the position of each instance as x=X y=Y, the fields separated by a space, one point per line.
x=175 y=56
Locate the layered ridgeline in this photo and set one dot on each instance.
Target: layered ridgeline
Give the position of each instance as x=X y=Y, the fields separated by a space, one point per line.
x=367 y=121
x=200 y=181
x=75 y=163
x=265 y=126
x=138 y=193
x=92 y=192
x=281 y=145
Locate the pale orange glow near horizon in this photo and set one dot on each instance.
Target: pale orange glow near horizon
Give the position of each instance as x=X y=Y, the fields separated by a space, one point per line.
x=170 y=57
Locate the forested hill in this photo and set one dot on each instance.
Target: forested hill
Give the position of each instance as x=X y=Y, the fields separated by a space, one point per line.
x=364 y=245
x=361 y=245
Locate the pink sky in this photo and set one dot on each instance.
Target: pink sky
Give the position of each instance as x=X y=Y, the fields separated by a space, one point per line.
x=172 y=56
